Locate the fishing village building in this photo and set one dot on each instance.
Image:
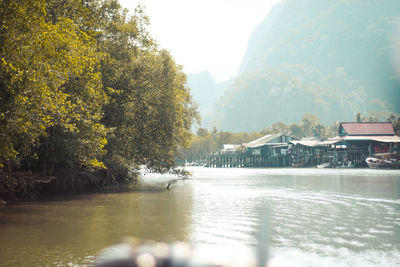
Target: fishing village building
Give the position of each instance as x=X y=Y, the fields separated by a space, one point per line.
x=267 y=151
x=354 y=143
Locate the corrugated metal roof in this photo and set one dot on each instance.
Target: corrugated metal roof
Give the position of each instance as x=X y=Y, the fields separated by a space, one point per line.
x=331 y=141
x=262 y=140
x=366 y=128
x=305 y=142
x=337 y=139
x=387 y=139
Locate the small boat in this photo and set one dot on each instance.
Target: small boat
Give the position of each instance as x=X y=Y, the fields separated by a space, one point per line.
x=324 y=165
x=384 y=161
x=297 y=164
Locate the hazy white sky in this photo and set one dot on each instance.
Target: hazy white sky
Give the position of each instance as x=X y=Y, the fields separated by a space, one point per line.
x=209 y=35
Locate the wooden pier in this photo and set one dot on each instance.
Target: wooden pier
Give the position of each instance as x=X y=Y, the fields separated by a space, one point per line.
x=243 y=160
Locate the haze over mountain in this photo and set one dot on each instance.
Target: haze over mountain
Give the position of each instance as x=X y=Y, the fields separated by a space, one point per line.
x=330 y=58
x=205 y=90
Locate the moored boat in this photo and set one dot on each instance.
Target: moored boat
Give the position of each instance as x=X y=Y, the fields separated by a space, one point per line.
x=324 y=165
x=297 y=164
x=384 y=161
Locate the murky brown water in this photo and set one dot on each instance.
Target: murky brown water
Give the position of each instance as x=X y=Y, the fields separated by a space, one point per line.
x=320 y=217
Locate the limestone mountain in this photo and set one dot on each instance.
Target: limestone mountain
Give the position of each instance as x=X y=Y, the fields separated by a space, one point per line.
x=331 y=58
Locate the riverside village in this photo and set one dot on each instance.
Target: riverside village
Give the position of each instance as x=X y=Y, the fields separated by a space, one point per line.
x=357 y=145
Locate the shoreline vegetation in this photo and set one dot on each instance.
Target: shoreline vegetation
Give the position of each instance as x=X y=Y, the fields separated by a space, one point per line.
x=86 y=95
x=206 y=142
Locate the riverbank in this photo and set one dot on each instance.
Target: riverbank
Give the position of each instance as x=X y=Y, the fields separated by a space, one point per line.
x=25 y=185
x=28 y=186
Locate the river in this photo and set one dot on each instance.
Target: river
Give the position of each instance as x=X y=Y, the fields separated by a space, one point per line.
x=318 y=217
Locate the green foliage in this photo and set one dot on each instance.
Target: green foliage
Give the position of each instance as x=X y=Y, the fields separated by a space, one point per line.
x=151 y=112
x=395 y=120
x=309 y=126
x=205 y=142
x=48 y=80
x=83 y=86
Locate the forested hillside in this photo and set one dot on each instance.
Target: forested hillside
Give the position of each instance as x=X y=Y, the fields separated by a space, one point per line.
x=85 y=95
x=331 y=58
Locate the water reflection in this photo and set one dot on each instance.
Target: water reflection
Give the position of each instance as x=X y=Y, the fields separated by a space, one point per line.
x=61 y=232
x=319 y=217
x=352 y=216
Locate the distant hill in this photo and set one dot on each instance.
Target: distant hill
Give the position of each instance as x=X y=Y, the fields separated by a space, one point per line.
x=331 y=58
x=205 y=90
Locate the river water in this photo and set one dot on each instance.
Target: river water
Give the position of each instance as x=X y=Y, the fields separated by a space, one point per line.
x=318 y=217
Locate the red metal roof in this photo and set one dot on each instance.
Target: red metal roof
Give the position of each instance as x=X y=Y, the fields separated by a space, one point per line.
x=366 y=128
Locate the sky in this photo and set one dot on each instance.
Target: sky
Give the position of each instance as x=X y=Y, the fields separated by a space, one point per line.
x=204 y=35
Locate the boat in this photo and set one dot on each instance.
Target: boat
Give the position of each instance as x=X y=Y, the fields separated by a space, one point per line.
x=324 y=165
x=297 y=164
x=384 y=161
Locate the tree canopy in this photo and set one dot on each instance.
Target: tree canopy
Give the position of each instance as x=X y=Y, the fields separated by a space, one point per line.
x=83 y=86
